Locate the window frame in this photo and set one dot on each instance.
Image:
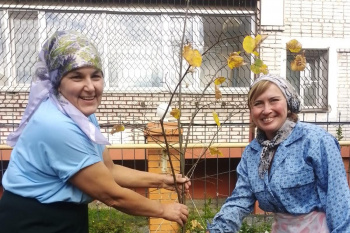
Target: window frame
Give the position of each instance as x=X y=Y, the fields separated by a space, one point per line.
x=311 y=77
x=330 y=44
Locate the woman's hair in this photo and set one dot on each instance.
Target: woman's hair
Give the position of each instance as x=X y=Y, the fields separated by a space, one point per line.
x=259 y=88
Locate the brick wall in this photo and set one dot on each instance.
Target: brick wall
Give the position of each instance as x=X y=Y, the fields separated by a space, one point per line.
x=343 y=94
x=325 y=19
x=141 y=109
x=272 y=48
x=12 y=106
x=136 y=110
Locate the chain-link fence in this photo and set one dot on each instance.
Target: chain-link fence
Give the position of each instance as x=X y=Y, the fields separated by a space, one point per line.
x=140 y=45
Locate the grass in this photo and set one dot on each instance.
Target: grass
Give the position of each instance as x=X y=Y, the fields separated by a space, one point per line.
x=108 y=220
x=103 y=219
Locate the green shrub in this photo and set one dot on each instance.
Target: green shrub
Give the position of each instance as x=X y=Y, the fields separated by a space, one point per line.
x=262 y=227
x=197 y=224
x=105 y=220
x=339 y=132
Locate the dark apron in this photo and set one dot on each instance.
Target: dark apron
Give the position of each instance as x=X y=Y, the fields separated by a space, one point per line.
x=27 y=215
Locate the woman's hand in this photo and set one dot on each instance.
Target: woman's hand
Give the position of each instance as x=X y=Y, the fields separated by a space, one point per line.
x=168 y=182
x=175 y=212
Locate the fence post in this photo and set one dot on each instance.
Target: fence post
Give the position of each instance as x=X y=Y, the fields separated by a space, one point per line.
x=158 y=162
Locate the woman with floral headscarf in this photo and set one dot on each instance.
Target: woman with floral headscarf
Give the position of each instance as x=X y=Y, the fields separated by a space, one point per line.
x=292 y=169
x=58 y=163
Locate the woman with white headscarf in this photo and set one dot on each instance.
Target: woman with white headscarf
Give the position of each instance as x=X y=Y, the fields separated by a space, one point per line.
x=58 y=164
x=292 y=169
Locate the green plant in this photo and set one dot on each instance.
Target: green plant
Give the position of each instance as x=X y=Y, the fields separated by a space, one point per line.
x=105 y=220
x=262 y=227
x=339 y=132
x=197 y=222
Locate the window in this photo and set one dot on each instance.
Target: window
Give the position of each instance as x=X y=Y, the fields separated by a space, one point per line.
x=312 y=83
x=135 y=51
x=231 y=31
x=19 y=38
x=138 y=50
x=145 y=51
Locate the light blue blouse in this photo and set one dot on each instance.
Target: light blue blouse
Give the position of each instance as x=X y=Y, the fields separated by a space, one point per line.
x=50 y=150
x=307 y=174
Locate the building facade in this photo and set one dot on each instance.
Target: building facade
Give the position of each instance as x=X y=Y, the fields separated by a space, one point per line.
x=140 y=43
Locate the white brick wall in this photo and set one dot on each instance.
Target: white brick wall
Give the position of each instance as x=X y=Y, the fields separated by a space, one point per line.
x=343 y=93
x=134 y=109
x=317 y=18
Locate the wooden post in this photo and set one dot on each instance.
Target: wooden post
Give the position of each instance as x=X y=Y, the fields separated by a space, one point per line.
x=158 y=162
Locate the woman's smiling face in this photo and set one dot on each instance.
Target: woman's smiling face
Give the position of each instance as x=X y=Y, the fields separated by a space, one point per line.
x=83 y=88
x=269 y=111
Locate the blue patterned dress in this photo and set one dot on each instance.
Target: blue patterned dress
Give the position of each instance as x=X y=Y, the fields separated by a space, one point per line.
x=307 y=174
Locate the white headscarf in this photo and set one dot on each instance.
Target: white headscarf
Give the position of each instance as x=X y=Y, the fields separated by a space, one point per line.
x=63 y=52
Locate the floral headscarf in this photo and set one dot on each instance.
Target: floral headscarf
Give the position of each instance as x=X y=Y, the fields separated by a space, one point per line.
x=292 y=97
x=63 y=52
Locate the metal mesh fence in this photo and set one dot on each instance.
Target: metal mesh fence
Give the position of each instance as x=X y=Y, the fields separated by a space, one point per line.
x=140 y=45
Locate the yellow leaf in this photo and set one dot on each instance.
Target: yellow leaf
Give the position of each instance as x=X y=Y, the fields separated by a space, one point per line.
x=195 y=225
x=219 y=80
x=294 y=46
x=175 y=113
x=256 y=53
x=187 y=49
x=117 y=128
x=187 y=52
x=215 y=151
x=192 y=56
x=259 y=67
x=255 y=69
x=235 y=60
x=264 y=69
x=249 y=44
x=218 y=94
x=299 y=63
x=216 y=118
x=196 y=59
x=259 y=39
